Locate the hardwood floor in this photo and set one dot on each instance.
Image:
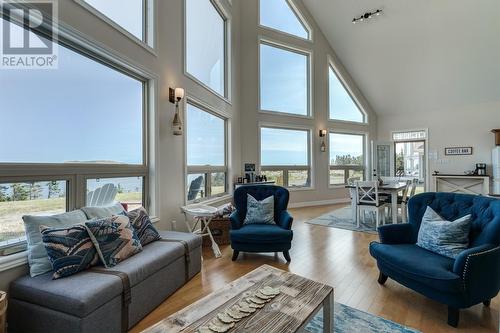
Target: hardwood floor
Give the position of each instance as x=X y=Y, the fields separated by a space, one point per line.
x=339 y=258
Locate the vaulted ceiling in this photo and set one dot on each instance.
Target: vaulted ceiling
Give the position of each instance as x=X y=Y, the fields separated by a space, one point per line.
x=419 y=56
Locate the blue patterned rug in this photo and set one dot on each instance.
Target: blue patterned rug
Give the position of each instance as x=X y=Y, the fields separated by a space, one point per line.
x=348 y=320
x=342 y=218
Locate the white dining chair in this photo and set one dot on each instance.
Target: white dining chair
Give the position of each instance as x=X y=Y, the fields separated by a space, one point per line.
x=352 y=193
x=368 y=200
x=403 y=202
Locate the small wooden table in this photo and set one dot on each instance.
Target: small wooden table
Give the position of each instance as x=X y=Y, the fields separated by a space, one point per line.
x=299 y=300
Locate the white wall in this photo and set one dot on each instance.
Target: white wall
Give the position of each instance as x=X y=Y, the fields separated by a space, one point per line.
x=468 y=126
x=168 y=65
x=250 y=116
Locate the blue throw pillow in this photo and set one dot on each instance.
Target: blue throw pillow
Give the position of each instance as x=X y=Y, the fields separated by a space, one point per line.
x=444 y=237
x=260 y=212
x=114 y=238
x=70 y=250
x=142 y=224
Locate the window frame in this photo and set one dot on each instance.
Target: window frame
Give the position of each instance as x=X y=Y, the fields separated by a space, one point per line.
x=310 y=77
x=206 y=170
x=227 y=18
x=149 y=39
x=336 y=71
x=300 y=17
x=346 y=169
x=76 y=173
x=287 y=168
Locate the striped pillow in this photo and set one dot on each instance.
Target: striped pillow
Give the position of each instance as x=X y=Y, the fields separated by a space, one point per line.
x=142 y=224
x=70 y=250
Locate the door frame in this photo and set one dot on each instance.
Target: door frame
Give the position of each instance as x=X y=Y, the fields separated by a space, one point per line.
x=426 y=153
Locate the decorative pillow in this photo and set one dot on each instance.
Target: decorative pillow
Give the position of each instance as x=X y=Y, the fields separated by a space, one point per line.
x=143 y=226
x=114 y=238
x=444 y=237
x=225 y=210
x=260 y=212
x=37 y=255
x=103 y=211
x=70 y=250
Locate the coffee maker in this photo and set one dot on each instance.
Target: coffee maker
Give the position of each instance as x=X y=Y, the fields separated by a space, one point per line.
x=480 y=169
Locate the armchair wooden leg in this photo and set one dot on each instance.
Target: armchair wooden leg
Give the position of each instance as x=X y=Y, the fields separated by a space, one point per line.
x=487 y=302
x=382 y=278
x=235 y=255
x=286 y=254
x=453 y=316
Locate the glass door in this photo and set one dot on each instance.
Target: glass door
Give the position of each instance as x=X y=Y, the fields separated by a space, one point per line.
x=382 y=159
x=410 y=161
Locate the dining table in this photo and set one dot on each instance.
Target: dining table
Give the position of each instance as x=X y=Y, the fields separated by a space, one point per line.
x=393 y=189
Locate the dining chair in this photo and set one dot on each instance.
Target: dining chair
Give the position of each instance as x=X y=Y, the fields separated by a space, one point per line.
x=402 y=202
x=368 y=199
x=352 y=193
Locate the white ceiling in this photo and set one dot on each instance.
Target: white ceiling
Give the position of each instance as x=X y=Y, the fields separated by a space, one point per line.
x=420 y=55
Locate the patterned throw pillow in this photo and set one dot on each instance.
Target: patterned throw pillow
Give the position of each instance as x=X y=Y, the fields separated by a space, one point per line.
x=143 y=226
x=70 y=250
x=260 y=212
x=114 y=238
x=444 y=237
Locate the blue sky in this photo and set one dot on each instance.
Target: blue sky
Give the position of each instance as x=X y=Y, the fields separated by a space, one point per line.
x=82 y=111
x=286 y=21
x=284 y=147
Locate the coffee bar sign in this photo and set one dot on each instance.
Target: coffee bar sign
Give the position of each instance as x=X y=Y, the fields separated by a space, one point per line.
x=458 y=151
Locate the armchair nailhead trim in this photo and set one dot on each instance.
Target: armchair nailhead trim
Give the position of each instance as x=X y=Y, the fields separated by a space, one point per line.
x=474 y=255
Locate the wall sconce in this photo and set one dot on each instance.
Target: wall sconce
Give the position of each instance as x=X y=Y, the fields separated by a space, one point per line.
x=175 y=96
x=322 y=134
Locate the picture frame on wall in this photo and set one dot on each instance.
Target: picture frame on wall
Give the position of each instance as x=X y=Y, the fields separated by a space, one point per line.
x=456 y=151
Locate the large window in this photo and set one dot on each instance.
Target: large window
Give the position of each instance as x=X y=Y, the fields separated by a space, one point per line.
x=65 y=132
x=347 y=157
x=283 y=16
x=206 y=154
x=341 y=105
x=206 y=44
x=284 y=156
x=284 y=80
x=131 y=15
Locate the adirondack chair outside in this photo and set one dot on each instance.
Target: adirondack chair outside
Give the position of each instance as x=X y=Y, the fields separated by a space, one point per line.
x=102 y=196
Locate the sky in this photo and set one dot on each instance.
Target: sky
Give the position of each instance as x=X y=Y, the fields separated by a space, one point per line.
x=81 y=111
x=286 y=21
x=284 y=147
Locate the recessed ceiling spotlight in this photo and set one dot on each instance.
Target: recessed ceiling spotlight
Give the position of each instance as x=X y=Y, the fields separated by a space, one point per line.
x=366 y=16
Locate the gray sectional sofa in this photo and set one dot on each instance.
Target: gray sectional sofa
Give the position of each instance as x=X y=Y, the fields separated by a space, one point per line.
x=93 y=301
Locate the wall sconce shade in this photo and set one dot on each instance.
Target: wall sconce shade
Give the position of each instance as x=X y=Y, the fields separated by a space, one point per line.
x=322 y=133
x=175 y=96
x=179 y=94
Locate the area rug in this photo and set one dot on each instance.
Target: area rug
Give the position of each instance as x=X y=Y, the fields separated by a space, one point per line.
x=348 y=320
x=342 y=218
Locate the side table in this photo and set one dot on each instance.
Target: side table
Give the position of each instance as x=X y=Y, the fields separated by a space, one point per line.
x=201 y=215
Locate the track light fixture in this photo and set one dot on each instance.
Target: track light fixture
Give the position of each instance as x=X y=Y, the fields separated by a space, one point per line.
x=366 y=16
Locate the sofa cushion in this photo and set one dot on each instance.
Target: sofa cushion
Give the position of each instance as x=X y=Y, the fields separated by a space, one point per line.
x=82 y=293
x=114 y=238
x=261 y=233
x=70 y=250
x=142 y=224
x=408 y=259
x=37 y=255
x=447 y=238
x=260 y=211
x=103 y=211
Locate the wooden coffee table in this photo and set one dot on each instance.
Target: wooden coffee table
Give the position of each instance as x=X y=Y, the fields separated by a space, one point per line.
x=299 y=300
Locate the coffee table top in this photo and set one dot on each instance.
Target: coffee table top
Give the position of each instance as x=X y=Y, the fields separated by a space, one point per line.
x=299 y=299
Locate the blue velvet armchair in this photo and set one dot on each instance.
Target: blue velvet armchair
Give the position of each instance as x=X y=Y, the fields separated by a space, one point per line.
x=473 y=277
x=261 y=237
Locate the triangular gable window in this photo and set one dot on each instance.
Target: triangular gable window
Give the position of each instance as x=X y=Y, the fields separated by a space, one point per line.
x=341 y=105
x=282 y=15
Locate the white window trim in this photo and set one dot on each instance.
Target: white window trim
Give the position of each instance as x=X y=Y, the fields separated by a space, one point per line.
x=333 y=65
x=207 y=169
x=310 y=77
x=300 y=16
x=227 y=17
x=12 y=172
x=365 y=153
x=150 y=43
x=310 y=165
